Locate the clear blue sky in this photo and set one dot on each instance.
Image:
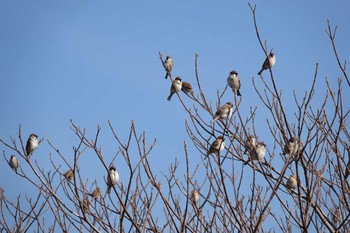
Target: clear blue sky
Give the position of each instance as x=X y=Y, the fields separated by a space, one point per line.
x=93 y=61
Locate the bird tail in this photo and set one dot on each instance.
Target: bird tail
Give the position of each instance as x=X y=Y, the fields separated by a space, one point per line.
x=108 y=189
x=166 y=75
x=260 y=72
x=169 y=97
x=238 y=93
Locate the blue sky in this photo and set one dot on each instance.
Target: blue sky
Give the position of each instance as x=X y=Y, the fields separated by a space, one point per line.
x=94 y=61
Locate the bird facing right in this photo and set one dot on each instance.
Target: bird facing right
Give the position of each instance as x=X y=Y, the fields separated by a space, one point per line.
x=259 y=152
x=112 y=178
x=217 y=146
x=268 y=63
x=234 y=82
x=32 y=144
x=175 y=87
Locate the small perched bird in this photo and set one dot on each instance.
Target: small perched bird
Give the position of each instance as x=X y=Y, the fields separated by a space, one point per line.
x=289 y=147
x=292 y=182
x=187 y=88
x=112 y=178
x=69 y=175
x=96 y=193
x=168 y=65
x=217 y=146
x=259 y=151
x=195 y=197
x=250 y=144
x=32 y=144
x=175 y=87
x=268 y=63
x=234 y=82
x=224 y=112
x=13 y=163
x=86 y=203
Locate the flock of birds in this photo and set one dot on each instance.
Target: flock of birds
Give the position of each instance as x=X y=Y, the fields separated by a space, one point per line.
x=256 y=151
x=33 y=143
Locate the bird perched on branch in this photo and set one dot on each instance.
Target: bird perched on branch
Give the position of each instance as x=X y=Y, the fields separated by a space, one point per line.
x=250 y=144
x=195 y=197
x=292 y=182
x=187 y=88
x=175 y=87
x=112 y=178
x=32 y=144
x=259 y=151
x=96 y=193
x=217 y=146
x=234 y=82
x=13 y=162
x=289 y=147
x=69 y=175
x=168 y=65
x=224 y=112
x=268 y=63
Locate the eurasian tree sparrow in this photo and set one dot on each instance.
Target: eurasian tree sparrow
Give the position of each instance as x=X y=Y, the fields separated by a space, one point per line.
x=259 y=152
x=69 y=175
x=234 y=82
x=217 y=146
x=250 y=144
x=13 y=162
x=224 y=112
x=112 y=178
x=168 y=65
x=292 y=182
x=175 y=87
x=289 y=147
x=268 y=63
x=187 y=88
x=195 y=197
x=96 y=193
x=32 y=144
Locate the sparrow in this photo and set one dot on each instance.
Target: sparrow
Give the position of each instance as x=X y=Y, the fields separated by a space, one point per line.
x=268 y=63
x=259 y=151
x=347 y=170
x=187 y=88
x=250 y=144
x=112 y=178
x=69 y=175
x=234 y=82
x=168 y=65
x=292 y=182
x=217 y=146
x=195 y=197
x=32 y=144
x=289 y=147
x=13 y=162
x=86 y=203
x=96 y=194
x=175 y=87
x=224 y=112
